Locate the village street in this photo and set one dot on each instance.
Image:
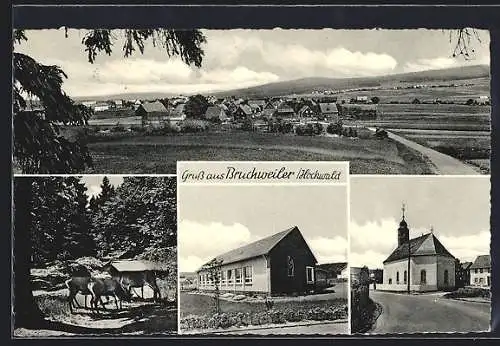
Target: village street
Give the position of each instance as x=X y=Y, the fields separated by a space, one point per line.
x=444 y=164
x=428 y=313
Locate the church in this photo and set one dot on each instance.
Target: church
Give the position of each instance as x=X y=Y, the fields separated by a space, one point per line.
x=430 y=265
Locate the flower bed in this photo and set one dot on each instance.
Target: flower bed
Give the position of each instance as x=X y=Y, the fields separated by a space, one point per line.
x=242 y=319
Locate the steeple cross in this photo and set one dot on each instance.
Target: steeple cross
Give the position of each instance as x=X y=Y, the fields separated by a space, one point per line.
x=403 y=208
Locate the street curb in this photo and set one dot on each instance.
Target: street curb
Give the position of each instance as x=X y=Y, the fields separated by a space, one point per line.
x=275 y=326
x=470 y=301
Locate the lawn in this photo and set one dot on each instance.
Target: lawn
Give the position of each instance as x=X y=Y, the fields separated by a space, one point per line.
x=201 y=304
x=159 y=154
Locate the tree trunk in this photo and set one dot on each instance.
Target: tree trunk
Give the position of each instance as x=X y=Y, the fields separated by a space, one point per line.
x=26 y=311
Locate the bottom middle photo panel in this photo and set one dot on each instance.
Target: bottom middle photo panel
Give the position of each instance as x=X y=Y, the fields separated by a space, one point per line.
x=263 y=259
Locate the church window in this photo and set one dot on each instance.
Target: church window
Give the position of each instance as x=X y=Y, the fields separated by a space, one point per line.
x=405 y=277
x=397 y=277
x=291 y=266
x=390 y=281
x=446 y=277
x=423 y=276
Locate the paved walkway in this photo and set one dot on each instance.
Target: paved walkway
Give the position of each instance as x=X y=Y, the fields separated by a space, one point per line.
x=428 y=313
x=443 y=164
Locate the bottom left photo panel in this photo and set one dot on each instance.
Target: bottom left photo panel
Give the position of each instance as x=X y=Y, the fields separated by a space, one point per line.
x=94 y=255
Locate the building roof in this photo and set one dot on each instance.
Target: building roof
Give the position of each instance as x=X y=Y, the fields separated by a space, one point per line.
x=426 y=244
x=156 y=106
x=256 y=103
x=137 y=265
x=214 y=112
x=466 y=265
x=246 y=109
x=333 y=267
x=255 y=249
x=483 y=261
x=330 y=107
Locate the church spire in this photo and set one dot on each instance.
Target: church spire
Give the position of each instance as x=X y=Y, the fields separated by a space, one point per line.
x=403 y=231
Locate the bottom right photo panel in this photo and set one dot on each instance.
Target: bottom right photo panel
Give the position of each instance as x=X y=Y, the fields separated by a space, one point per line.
x=420 y=254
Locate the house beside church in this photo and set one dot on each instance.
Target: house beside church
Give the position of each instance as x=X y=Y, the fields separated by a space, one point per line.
x=480 y=271
x=431 y=267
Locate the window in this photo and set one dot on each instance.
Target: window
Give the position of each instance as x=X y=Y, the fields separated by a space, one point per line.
x=230 y=277
x=480 y=281
x=405 y=277
x=446 y=277
x=310 y=275
x=423 y=277
x=291 y=266
x=480 y=270
x=390 y=281
x=475 y=270
x=247 y=273
x=397 y=277
x=237 y=275
x=223 y=278
x=200 y=279
x=475 y=280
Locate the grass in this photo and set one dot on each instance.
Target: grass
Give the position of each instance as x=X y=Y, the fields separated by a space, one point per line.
x=200 y=304
x=158 y=154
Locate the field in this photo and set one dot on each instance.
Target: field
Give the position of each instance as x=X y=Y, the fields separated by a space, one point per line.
x=158 y=154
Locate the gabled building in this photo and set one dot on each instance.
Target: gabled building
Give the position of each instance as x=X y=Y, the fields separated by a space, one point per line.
x=430 y=265
x=243 y=112
x=480 y=271
x=216 y=113
x=328 y=274
x=306 y=112
x=257 y=105
x=329 y=111
x=282 y=263
x=284 y=110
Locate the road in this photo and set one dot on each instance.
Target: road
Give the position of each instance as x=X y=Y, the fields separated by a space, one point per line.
x=314 y=328
x=444 y=164
x=428 y=313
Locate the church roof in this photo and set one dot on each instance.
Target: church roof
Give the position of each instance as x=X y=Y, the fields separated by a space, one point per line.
x=426 y=244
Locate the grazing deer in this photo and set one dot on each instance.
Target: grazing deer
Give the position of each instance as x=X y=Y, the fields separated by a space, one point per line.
x=140 y=279
x=75 y=285
x=108 y=287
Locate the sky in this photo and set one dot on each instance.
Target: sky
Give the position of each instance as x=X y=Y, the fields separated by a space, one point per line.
x=457 y=208
x=217 y=219
x=243 y=58
x=93 y=183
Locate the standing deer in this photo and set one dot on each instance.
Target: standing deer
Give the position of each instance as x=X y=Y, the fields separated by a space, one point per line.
x=75 y=285
x=139 y=279
x=108 y=287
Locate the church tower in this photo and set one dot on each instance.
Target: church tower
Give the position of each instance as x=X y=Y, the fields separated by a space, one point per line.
x=403 y=231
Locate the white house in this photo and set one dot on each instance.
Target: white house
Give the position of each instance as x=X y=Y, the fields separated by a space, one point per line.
x=430 y=265
x=480 y=271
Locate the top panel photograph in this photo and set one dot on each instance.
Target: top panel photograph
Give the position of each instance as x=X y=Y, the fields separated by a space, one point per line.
x=412 y=102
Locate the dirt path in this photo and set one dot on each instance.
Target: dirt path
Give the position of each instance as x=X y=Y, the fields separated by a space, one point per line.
x=444 y=164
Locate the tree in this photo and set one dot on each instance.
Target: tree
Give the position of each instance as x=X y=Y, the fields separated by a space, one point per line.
x=213 y=270
x=375 y=99
x=39 y=146
x=196 y=106
x=107 y=191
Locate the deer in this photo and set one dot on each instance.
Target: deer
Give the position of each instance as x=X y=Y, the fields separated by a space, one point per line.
x=140 y=279
x=108 y=287
x=75 y=285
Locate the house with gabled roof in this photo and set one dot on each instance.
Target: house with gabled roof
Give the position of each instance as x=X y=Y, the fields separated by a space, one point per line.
x=329 y=111
x=216 y=113
x=420 y=264
x=243 y=111
x=282 y=263
x=480 y=271
x=306 y=112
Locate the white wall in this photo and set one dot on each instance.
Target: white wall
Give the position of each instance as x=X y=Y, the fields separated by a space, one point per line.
x=480 y=279
x=260 y=277
x=417 y=263
x=445 y=263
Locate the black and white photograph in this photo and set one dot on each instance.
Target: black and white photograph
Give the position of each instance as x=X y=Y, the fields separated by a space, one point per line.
x=94 y=256
x=263 y=260
x=136 y=101
x=420 y=254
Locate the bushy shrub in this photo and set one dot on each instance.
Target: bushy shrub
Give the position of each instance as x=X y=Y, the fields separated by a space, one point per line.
x=193 y=126
x=165 y=129
x=318 y=128
x=334 y=128
x=247 y=125
x=305 y=130
x=470 y=292
x=286 y=127
x=118 y=128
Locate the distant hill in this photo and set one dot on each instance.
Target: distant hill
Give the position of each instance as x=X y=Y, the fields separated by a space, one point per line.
x=307 y=85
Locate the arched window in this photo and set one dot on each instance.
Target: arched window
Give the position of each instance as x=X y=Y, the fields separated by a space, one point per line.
x=291 y=266
x=405 y=277
x=423 y=276
x=446 y=277
x=397 y=277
